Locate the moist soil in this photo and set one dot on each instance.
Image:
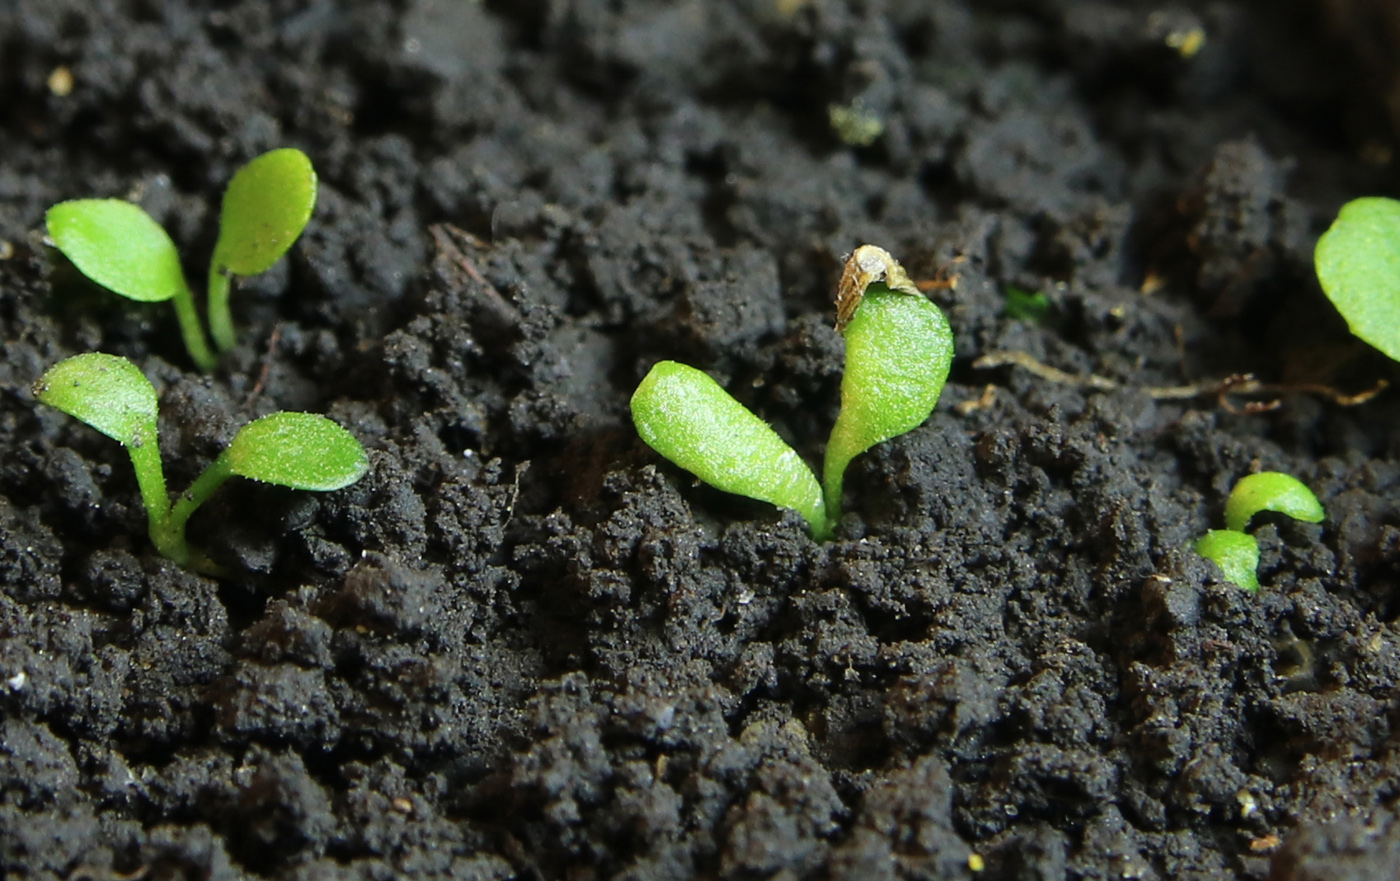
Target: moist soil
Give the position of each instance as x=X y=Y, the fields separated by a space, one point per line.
x=525 y=647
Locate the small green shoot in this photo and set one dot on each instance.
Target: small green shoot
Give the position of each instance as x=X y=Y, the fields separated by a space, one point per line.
x=266 y=206
x=1235 y=551
x=899 y=349
x=1358 y=266
x=1270 y=491
x=121 y=247
x=1025 y=306
x=297 y=450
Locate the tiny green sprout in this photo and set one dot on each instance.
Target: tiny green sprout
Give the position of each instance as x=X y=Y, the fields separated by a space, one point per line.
x=1270 y=491
x=297 y=450
x=1235 y=551
x=1358 y=266
x=266 y=207
x=121 y=247
x=1026 y=306
x=899 y=348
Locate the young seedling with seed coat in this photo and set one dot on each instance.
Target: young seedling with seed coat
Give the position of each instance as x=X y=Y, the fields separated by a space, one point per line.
x=1235 y=551
x=297 y=450
x=121 y=247
x=899 y=348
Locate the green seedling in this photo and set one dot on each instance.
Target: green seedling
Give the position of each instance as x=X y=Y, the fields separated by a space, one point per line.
x=1026 y=306
x=899 y=348
x=1270 y=491
x=119 y=246
x=1235 y=551
x=266 y=206
x=1358 y=266
x=297 y=450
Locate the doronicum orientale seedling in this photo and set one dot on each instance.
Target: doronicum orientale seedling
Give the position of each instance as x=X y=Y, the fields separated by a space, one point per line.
x=899 y=348
x=297 y=450
x=1358 y=265
x=1235 y=551
x=119 y=246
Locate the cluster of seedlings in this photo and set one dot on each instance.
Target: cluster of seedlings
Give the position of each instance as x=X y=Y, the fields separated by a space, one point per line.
x=1235 y=551
x=119 y=246
x=899 y=348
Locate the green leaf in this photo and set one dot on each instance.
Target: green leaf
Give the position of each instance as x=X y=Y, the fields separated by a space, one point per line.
x=899 y=348
x=1236 y=553
x=119 y=246
x=1271 y=491
x=299 y=450
x=1358 y=265
x=105 y=391
x=685 y=416
x=266 y=206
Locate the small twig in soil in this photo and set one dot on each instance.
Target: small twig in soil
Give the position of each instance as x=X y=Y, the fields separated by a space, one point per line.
x=515 y=492
x=988 y=398
x=1238 y=384
x=443 y=235
x=945 y=280
x=272 y=341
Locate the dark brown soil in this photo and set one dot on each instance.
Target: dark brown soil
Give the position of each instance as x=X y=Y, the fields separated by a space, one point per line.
x=526 y=648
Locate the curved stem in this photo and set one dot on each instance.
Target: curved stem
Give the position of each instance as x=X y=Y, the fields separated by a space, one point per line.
x=220 y=319
x=204 y=486
x=194 y=334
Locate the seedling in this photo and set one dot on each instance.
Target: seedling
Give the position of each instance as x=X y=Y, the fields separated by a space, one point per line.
x=297 y=450
x=119 y=246
x=899 y=348
x=1358 y=266
x=1024 y=305
x=1235 y=551
x=1270 y=491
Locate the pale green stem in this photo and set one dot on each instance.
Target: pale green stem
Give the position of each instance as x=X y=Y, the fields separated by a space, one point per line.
x=150 y=477
x=194 y=335
x=833 y=479
x=204 y=486
x=220 y=319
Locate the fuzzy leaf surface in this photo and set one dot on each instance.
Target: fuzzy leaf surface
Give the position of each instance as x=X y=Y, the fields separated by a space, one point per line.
x=1358 y=265
x=266 y=206
x=899 y=348
x=299 y=450
x=1271 y=491
x=119 y=246
x=1236 y=553
x=105 y=391
x=687 y=417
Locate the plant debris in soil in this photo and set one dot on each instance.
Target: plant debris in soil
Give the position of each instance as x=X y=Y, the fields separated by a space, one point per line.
x=524 y=647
